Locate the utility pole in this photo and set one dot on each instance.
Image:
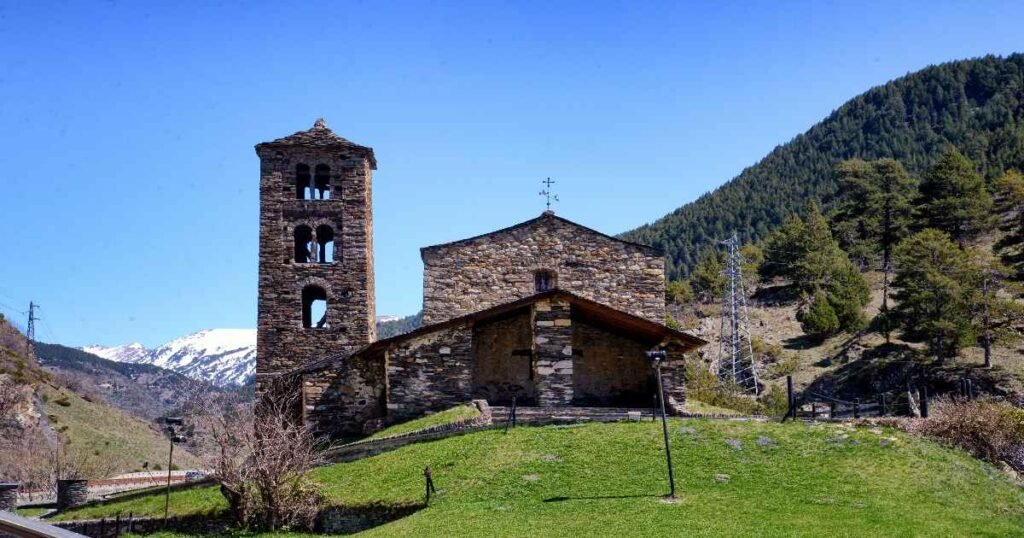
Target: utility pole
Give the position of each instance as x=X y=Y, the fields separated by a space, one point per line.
x=175 y=438
x=30 y=331
x=736 y=361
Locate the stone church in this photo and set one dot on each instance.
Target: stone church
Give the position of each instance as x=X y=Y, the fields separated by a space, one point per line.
x=547 y=311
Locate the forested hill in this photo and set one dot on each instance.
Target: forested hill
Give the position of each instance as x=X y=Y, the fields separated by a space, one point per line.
x=976 y=105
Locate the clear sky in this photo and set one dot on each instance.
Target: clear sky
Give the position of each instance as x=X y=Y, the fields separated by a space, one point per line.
x=129 y=184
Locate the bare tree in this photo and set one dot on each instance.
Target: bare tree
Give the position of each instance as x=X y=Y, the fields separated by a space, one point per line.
x=260 y=453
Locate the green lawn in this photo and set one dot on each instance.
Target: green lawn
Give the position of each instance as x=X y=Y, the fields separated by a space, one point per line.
x=459 y=412
x=700 y=408
x=32 y=511
x=734 y=479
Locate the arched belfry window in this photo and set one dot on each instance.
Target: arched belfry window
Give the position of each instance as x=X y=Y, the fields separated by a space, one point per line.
x=303 y=188
x=543 y=280
x=305 y=247
x=314 y=307
x=325 y=243
x=322 y=182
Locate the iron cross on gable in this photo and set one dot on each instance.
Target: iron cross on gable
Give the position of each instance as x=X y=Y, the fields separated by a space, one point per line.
x=547 y=194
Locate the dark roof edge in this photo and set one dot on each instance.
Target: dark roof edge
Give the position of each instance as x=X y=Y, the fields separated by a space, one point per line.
x=652 y=249
x=694 y=341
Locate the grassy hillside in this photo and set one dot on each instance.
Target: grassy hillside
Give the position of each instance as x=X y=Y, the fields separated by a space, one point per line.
x=120 y=442
x=975 y=105
x=734 y=479
x=142 y=390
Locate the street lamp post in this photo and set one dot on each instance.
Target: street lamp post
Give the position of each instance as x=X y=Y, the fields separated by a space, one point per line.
x=657 y=357
x=175 y=438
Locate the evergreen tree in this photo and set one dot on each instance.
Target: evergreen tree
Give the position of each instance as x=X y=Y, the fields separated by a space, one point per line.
x=804 y=251
x=707 y=280
x=678 y=292
x=935 y=281
x=874 y=213
x=1011 y=196
x=954 y=199
x=997 y=315
x=848 y=293
x=819 y=319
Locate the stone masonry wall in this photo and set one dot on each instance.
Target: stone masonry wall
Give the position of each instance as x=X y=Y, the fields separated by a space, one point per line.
x=553 y=344
x=430 y=372
x=503 y=360
x=610 y=369
x=468 y=276
x=339 y=400
x=673 y=378
x=282 y=341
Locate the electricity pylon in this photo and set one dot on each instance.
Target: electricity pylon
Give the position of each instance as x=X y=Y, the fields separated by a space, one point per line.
x=736 y=362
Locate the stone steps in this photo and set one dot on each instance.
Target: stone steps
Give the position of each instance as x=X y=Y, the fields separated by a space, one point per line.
x=568 y=415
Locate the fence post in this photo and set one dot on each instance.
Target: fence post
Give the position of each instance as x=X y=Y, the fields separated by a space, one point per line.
x=881 y=408
x=117 y=525
x=923 y=393
x=130 y=520
x=856 y=408
x=791 y=397
x=103 y=527
x=970 y=389
x=831 y=409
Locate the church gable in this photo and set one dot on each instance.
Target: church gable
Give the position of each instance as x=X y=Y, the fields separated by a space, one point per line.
x=537 y=255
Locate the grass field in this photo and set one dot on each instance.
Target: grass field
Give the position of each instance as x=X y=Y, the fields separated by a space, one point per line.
x=734 y=479
x=457 y=413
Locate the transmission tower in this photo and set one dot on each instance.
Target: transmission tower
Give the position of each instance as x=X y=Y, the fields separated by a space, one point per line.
x=30 y=331
x=736 y=362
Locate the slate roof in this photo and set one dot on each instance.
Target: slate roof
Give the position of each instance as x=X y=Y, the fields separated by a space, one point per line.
x=586 y=309
x=322 y=137
x=654 y=251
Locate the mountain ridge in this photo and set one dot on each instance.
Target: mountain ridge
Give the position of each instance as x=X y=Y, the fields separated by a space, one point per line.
x=223 y=357
x=976 y=105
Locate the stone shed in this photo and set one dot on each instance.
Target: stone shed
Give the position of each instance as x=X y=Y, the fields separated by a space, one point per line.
x=549 y=349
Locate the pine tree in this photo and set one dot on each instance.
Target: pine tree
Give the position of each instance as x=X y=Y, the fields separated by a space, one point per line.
x=954 y=199
x=996 y=314
x=819 y=320
x=804 y=251
x=935 y=281
x=1011 y=196
x=874 y=213
x=678 y=292
x=708 y=280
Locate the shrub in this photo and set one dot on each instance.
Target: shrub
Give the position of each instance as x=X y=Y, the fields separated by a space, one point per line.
x=987 y=429
x=819 y=320
x=63 y=401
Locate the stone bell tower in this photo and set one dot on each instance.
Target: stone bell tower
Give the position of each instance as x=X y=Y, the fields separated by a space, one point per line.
x=316 y=289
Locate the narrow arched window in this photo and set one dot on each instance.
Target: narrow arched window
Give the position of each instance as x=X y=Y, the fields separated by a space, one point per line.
x=543 y=280
x=305 y=247
x=325 y=242
x=303 y=189
x=322 y=182
x=314 y=307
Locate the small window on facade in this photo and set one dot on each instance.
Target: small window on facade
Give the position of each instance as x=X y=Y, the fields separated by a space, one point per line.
x=303 y=188
x=314 y=307
x=322 y=182
x=544 y=280
x=325 y=242
x=305 y=246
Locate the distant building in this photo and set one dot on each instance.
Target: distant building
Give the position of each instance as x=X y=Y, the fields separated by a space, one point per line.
x=547 y=311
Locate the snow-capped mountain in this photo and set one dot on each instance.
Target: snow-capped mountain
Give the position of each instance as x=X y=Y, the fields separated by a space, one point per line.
x=220 y=356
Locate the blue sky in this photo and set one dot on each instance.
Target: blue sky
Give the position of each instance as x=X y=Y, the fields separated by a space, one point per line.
x=129 y=184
